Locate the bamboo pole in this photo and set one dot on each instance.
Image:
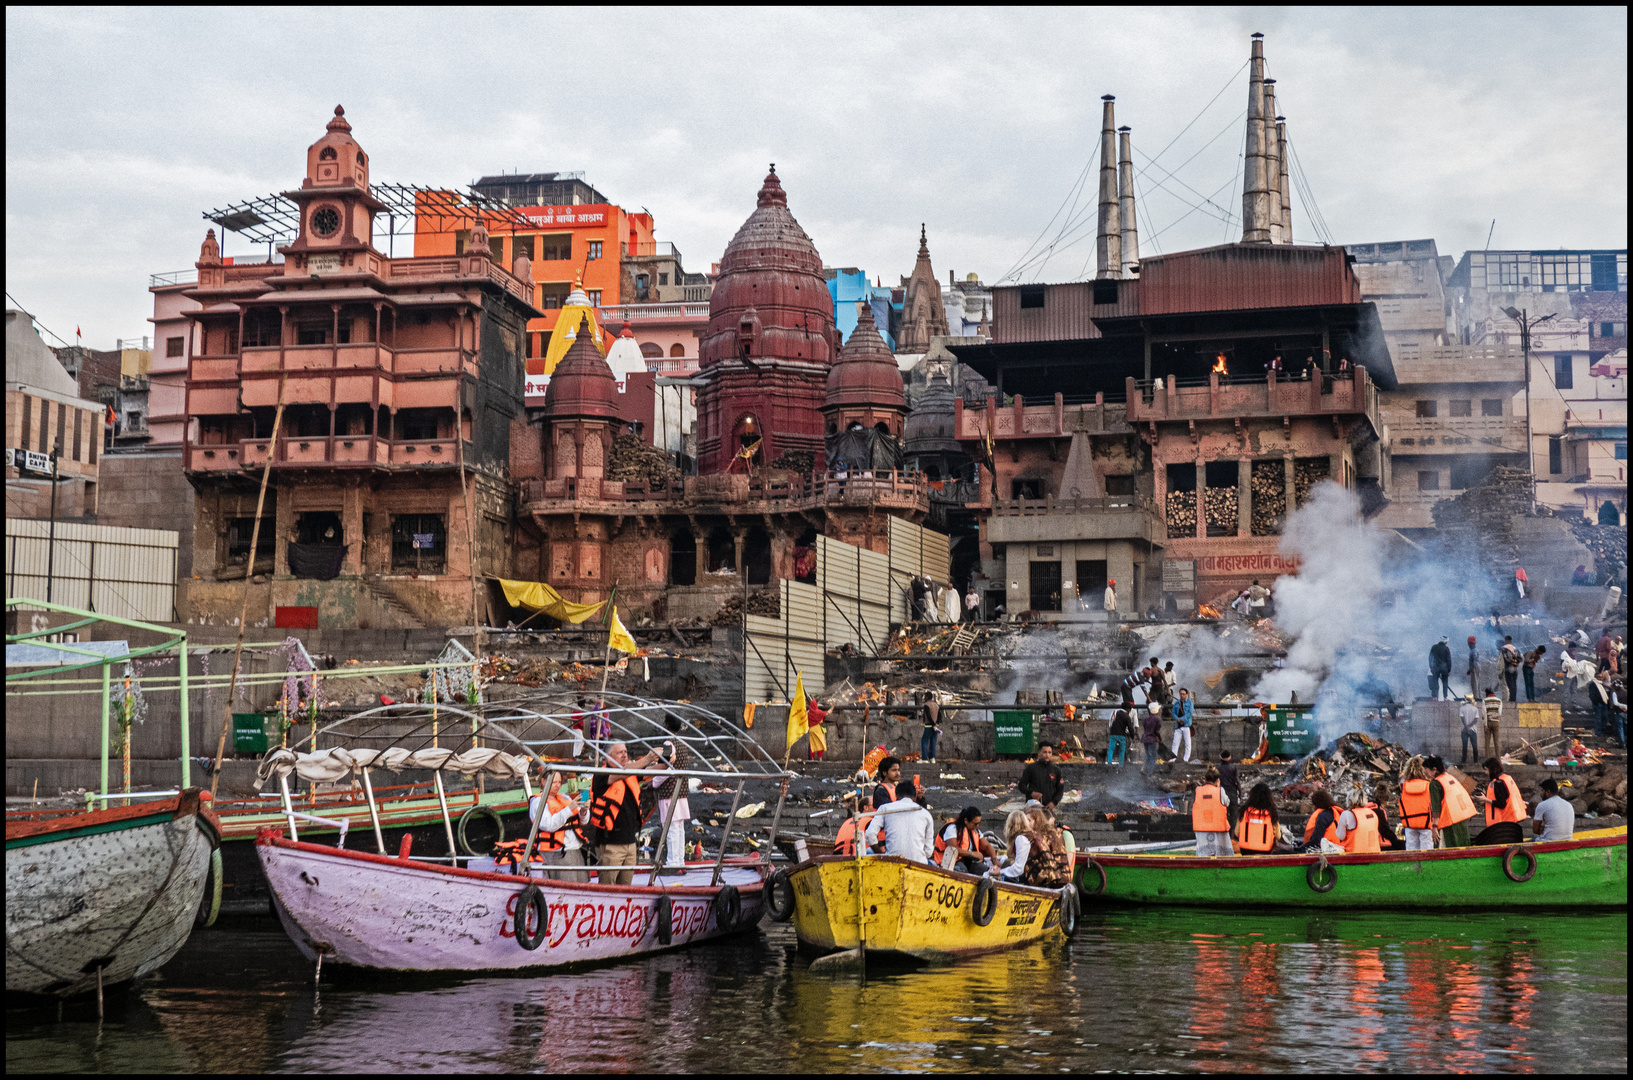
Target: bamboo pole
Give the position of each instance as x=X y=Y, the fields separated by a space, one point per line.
x=249 y=577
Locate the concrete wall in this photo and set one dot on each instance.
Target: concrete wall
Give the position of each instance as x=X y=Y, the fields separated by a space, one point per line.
x=148 y=491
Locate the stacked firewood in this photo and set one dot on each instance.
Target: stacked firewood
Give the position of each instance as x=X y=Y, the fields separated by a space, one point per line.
x=1269 y=488
x=1307 y=473
x=633 y=459
x=1220 y=505
x=1181 y=514
x=766 y=602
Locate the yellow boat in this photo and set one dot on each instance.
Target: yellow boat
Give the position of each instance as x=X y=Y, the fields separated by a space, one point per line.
x=914 y=909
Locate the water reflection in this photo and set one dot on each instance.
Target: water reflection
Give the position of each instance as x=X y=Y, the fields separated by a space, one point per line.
x=1200 y=990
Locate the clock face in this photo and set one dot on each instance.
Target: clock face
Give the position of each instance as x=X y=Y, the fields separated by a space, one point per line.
x=326 y=221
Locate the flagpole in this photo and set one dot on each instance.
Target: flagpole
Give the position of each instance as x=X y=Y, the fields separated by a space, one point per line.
x=606 y=659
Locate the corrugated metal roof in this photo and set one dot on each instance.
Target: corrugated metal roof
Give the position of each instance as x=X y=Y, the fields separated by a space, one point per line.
x=1244 y=277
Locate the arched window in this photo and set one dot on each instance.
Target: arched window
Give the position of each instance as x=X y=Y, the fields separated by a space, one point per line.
x=327 y=154
x=677 y=349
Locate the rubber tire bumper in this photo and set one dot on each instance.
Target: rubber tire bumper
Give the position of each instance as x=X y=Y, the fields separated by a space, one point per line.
x=984 y=904
x=1508 y=864
x=665 y=919
x=1312 y=876
x=532 y=898
x=774 y=885
x=1071 y=910
x=465 y=821
x=1082 y=883
x=727 y=906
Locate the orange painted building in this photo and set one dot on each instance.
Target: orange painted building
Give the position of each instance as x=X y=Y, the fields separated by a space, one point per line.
x=583 y=242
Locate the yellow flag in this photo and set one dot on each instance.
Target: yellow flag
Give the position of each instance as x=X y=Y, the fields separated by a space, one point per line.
x=618 y=638
x=799 y=721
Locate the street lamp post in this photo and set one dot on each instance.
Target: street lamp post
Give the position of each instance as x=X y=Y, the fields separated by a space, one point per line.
x=1526 y=323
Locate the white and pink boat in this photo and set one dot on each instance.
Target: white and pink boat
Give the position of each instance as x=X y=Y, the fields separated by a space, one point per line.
x=405 y=911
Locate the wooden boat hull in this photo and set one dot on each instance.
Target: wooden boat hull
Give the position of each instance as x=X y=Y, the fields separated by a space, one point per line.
x=387 y=914
x=244 y=888
x=117 y=889
x=912 y=909
x=1589 y=872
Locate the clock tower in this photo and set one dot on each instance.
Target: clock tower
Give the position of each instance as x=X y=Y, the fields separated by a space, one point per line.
x=337 y=211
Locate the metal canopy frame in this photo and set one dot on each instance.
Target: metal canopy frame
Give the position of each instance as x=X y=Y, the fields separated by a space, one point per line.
x=276 y=218
x=173 y=640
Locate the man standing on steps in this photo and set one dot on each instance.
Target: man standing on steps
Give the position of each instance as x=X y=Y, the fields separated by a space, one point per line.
x=1040 y=781
x=1440 y=670
x=1183 y=713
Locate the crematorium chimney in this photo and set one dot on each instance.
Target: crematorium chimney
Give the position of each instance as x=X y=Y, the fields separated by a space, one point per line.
x=1285 y=191
x=1109 y=243
x=1125 y=199
x=1273 y=163
x=1256 y=189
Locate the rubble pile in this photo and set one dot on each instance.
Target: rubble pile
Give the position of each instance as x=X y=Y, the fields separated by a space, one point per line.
x=1269 y=488
x=632 y=459
x=800 y=462
x=766 y=602
x=1181 y=514
x=1606 y=795
x=1609 y=546
x=1307 y=473
x=1353 y=767
x=1220 y=504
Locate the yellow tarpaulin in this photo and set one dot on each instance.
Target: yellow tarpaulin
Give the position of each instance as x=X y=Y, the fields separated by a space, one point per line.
x=541 y=597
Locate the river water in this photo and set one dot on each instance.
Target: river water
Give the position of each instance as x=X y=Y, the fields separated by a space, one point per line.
x=1171 y=990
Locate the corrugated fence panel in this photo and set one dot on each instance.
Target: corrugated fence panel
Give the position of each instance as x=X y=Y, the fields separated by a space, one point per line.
x=126 y=573
x=780 y=649
x=915 y=552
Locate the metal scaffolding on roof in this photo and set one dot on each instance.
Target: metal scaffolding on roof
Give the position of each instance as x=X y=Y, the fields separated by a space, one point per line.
x=275 y=218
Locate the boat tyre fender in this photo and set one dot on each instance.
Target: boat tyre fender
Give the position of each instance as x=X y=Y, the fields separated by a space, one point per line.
x=210 y=906
x=465 y=824
x=665 y=919
x=984 y=905
x=1321 y=876
x=1083 y=885
x=1071 y=908
x=728 y=905
x=1530 y=864
x=777 y=886
x=532 y=898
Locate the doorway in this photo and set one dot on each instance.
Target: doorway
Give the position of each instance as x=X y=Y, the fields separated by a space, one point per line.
x=1045 y=586
x=1091 y=583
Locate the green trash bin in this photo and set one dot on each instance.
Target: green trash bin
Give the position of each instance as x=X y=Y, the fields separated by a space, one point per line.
x=249 y=732
x=1013 y=732
x=1290 y=730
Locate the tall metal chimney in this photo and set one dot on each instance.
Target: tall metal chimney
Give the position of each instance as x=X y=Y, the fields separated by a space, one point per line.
x=1125 y=199
x=1109 y=241
x=1285 y=191
x=1272 y=161
x=1256 y=188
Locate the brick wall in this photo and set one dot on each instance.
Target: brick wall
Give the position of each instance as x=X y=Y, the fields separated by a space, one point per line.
x=148 y=491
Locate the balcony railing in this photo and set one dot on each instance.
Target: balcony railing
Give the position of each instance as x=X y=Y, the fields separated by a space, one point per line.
x=174 y=277
x=636 y=314
x=874 y=488
x=347 y=451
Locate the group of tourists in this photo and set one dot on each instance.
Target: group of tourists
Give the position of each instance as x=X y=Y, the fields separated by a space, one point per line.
x=1433 y=808
x=896 y=820
x=1151 y=696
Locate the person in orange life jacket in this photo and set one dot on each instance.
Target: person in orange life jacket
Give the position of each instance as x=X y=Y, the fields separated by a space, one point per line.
x=615 y=815
x=1417 y=806
x=1358 y=828
x=1378 y=804
x=1323 y=822
x=962 y=837
x=1503 y=802
x=853 y=826
x=1259 y=830
x=889 y=777
x=561 y=830
x=1209 y=818
x=1451 y=808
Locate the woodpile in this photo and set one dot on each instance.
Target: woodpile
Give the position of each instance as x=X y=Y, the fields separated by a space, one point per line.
x=632 y=459
x=1181 y=514
x=1308 y=472
x=799 y=462
x=1268 y=487
x=767 y=602
x=1486 y=513
x=1609 y=546
x=1220 y=505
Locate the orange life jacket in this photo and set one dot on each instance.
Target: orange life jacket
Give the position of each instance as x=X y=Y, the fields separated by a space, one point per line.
x=610 y=803
x=1455 y=804
x=1207 y=812
x=1364 y=837
x=557 y=840
x=1514 y=811
x=891 y=788
x=1255 y=832
x=1414 y=804
x=849 y=830
x=967 y=840
x=1331 y=832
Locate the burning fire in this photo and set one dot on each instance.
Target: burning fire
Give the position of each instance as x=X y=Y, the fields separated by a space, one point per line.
x=1207 y=611
x=1219 y=365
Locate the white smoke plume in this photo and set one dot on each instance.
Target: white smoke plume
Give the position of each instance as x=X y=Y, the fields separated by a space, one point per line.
x=1364 y=610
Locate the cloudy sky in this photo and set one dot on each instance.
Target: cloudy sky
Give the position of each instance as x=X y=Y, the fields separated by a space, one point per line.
x=124 y=124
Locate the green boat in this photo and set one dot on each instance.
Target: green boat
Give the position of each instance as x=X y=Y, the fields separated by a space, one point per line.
x=1588 y=871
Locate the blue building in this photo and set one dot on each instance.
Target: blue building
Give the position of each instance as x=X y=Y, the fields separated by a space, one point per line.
x=847 y=287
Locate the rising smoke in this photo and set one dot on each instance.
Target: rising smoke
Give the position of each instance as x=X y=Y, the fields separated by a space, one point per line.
x=1363 y=611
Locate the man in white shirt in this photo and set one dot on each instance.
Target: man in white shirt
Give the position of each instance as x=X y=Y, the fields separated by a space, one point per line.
x=909 y=829
x=1110 y=600
x=1553 y=818
x=1470 y=714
